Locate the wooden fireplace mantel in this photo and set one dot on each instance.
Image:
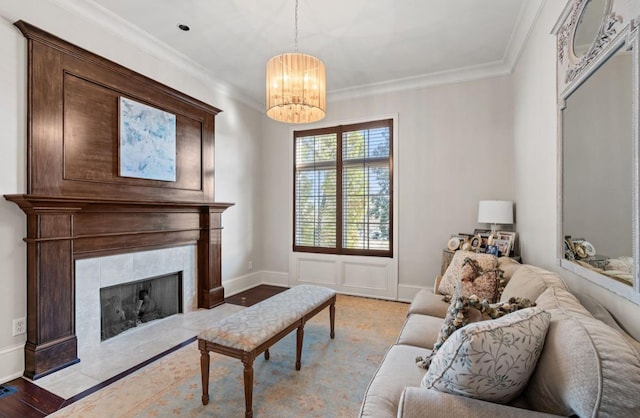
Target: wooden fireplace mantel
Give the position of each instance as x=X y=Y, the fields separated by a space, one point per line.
x=63 y=229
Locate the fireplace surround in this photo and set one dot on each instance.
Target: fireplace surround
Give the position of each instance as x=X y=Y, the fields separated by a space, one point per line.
x=95 y=275
x=78 y=206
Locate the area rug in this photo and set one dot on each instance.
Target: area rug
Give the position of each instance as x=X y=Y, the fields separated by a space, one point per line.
x=331 y=383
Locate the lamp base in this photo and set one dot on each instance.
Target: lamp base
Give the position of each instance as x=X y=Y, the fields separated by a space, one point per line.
x=494 y=234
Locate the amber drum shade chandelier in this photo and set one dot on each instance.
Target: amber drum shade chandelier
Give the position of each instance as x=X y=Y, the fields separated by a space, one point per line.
x=296 y=86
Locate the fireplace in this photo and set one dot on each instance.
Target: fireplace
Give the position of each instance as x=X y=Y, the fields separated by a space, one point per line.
x=124 y=276
x=131 y=305
x=78 y=206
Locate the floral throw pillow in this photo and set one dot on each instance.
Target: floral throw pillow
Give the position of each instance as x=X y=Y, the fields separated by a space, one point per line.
x=485 y=284
x=465 y=310
x=457 y=269
x=490 y=360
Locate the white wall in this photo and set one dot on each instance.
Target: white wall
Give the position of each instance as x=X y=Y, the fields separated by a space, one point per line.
x=238 y=151
x=536 y=153
x=455 y=148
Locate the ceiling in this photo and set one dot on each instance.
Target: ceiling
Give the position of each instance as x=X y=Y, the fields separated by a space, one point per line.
x=366 y=45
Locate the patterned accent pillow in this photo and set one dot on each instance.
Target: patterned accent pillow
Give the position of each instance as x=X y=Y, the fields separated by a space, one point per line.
x=465 y=310
x=454 y=272
x=487 y=284
x=490 y=360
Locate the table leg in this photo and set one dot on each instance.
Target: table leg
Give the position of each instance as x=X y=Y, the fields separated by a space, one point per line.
x=266 y=354
x=204 y=371
x=332 y=319
x=248 y=387
x=299 y=338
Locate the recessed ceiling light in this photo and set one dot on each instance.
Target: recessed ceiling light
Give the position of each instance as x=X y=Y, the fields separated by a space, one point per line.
x=184 y=27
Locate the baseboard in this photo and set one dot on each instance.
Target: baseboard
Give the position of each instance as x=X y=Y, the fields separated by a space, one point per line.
x=406 y=293
x=11 y=363
x=242 y=283
x=275 y=278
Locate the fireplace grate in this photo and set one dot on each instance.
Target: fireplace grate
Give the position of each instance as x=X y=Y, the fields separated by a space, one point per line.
x=133 y=304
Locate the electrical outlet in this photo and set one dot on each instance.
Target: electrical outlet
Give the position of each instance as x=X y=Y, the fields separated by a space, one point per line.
x=19 y=326
x=250 y=265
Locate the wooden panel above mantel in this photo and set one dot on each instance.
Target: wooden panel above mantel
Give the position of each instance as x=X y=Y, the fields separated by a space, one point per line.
x=73 y=125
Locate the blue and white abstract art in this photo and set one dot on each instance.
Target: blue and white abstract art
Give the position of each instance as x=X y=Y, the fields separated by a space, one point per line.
x=147 y=142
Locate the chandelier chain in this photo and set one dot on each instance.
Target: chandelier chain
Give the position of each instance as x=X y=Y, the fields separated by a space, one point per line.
x=296 y=26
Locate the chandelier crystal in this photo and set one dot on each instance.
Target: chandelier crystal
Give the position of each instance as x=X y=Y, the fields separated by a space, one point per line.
x=296 y=86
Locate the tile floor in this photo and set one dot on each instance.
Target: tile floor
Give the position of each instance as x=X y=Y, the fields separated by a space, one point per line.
x=129 y=349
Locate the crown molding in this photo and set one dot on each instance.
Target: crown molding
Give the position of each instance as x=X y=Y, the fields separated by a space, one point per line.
x=522 y=30
x=90 y=10
x=527 y=17
x=476 y=72
x=120 y=27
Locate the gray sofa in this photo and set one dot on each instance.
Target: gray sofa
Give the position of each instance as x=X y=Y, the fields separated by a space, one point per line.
x=588 y=367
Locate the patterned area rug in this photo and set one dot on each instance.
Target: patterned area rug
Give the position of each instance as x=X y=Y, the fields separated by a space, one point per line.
x=331 y=383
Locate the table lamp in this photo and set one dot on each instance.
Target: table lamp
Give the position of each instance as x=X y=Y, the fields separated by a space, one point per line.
x=495 y=212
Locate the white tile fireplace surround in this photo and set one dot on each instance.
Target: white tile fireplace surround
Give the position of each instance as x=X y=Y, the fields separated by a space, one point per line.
x=92 y=274
x=100 y=361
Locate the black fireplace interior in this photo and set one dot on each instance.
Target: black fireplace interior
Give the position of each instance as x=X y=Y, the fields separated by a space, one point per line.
x=128 y=305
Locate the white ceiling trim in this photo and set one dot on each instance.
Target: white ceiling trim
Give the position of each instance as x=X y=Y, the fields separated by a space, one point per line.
x=120 y=27
x=522 y=29
x=475 y=72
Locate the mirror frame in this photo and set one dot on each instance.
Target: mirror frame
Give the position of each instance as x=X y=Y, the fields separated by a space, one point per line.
x=618 y=30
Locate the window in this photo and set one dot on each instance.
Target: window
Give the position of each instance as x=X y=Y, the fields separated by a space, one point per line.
x=343 y=194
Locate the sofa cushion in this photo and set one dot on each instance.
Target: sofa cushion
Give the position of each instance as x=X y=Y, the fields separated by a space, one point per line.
x=426 y=302
x=598 y=311
x=558 y=298
x=490 y=360
x=455 y=271
x=396 y=372
x=422 y=402
x=587 y=368
x=529 y=282
x=420 y=331
x=508 y=266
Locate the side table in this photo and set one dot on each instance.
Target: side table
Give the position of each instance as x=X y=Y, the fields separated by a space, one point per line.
x=447 y=256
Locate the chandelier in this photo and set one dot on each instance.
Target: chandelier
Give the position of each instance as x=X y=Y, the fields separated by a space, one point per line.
x=296 y=86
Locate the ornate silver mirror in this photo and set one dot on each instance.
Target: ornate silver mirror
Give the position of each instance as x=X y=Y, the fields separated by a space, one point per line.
x=598 y=143
x=588 y=25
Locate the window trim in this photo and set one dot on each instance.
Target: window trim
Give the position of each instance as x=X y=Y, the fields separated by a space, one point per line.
x=339 y=130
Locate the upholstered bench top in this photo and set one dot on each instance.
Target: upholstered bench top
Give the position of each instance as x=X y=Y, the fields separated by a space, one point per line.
x=247 y=329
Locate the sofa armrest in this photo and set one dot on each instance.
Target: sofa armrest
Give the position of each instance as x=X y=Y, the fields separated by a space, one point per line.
x=428 y=303
x=436 y=284
x=418 y=402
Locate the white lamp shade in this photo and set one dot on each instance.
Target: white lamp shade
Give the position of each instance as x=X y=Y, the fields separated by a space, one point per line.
x=495 y=212
x=296 y=88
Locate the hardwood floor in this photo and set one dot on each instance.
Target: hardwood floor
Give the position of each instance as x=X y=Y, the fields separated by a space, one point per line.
x=254 y=295
x=31 y=401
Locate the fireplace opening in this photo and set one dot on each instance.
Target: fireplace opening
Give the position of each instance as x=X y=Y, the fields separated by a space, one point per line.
x=133 y=304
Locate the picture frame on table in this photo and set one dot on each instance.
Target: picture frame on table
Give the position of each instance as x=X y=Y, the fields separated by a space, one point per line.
x=456 y=241
x=484 y=235
x=503 y=246
x=475 y=242
x=509 y=236
x=493 y=250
